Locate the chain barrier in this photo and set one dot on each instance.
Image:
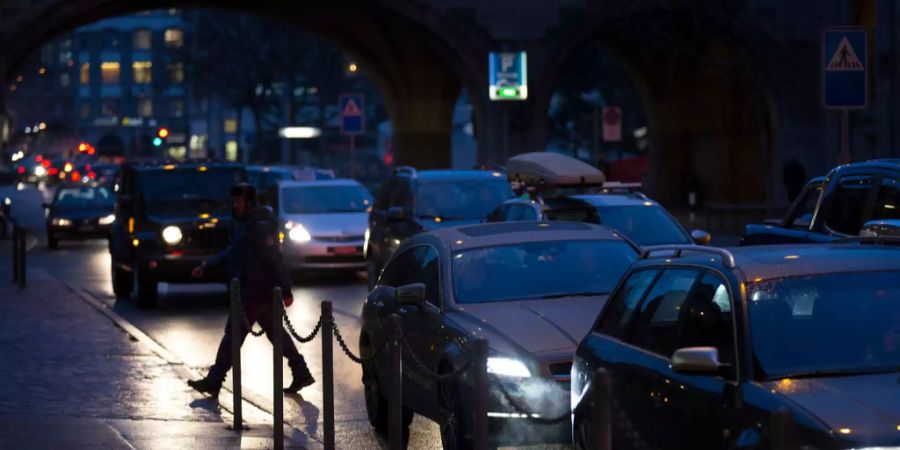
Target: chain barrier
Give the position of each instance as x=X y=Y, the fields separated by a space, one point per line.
x=340 y=339
x=423 y=368
x=301 y=339
x=246 y=321
x=528 y=415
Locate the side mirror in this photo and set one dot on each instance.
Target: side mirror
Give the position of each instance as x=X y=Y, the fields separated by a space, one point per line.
x=701 y=237
x=396 y=214
x=696 y=360
x=411 y=294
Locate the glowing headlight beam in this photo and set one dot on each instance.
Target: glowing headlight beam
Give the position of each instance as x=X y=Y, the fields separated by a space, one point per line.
x=507 y=367
x=299 y=233
x=171 y=234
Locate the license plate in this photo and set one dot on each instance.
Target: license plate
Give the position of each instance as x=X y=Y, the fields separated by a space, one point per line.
x=345 y=250
x=87 y=228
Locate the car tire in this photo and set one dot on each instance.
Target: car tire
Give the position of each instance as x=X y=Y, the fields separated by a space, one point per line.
x=377 y=403
x=144 y=289
x=452 y=425
x=122 y=282
x=582 y=436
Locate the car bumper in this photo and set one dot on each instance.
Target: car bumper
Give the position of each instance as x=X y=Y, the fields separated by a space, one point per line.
x=545 y=398
x=324 y=255
x=79 y=232
x=177 y=268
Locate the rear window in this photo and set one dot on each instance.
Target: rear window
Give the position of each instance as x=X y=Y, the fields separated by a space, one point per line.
x=539 y=270
x=83 y=198
x=646 y=224
x=460 y=199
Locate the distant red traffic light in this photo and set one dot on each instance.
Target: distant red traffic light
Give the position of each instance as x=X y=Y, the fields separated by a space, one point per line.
x=163 y=133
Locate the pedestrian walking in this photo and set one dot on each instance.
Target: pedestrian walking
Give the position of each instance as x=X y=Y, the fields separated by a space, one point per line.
x=253 y=258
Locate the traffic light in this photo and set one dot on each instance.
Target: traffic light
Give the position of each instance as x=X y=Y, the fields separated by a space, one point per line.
x=84 y=147
x=163 y=133
x=157 y=141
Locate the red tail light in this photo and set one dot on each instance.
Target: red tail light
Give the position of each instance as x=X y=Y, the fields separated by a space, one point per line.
x=76 y=176
x=21 y=170
x=46 y=163
x=92 y=175
x=52 y=171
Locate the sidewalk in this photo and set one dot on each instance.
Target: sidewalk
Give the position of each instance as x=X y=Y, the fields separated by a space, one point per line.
x=70 y=378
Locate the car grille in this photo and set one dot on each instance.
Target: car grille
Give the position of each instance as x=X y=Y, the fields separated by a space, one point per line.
x=212 y=238
x=561 y=371
x=338 y=238
x=336 y=259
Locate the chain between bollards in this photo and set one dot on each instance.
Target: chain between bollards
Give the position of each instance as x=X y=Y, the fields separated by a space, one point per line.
x=327 y=322
x=236 y=310
x=277 y=370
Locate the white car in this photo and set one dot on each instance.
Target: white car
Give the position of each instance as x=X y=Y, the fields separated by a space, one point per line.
x=323 y=223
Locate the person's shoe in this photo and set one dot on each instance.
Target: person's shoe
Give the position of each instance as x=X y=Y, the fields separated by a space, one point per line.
x=300 y=382
x=205 y=386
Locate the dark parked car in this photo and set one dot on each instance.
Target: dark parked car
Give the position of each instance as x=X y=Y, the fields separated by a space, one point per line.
x=169 y=218
x=840 y=205
x=703 y=345
x=412 y=201
x=78 y=213
x=531 y=289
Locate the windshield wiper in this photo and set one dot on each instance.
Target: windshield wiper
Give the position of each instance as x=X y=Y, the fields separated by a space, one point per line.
x=573 y=294
x=839 y=373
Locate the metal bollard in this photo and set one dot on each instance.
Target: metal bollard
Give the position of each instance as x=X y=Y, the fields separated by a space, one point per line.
x=15 y=254
x=277 y=369
x=237 y=398
x=601 y=410
x=480 y=435
x=780 y=424
x=22 y=262
x=328 y=374
x=395 y=403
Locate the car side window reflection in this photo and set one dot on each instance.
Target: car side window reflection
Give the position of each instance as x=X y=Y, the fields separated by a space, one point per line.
x=656 y=324
x=400 y=270
x=621 y=307
x=427 y=272
x=705 y=318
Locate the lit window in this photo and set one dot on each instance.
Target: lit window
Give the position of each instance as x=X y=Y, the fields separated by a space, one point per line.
x=143 y=40
x=176 y=73
x=143 y=72
x=64 y=79
x=109 y=107
x=85 y=110
x=109 y=72
x=145 y=107
x=176 y=107
x=231 y=125
x=84 y=74
x=231 y=151
x=174 y=37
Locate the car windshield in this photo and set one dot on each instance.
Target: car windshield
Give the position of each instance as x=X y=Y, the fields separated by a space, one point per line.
x=83 y=198
x=460 y=200
x=644 y=224
x=536 y=270
x=325 y=199
x=822 y=325
x=262 y=180
x=188 y=191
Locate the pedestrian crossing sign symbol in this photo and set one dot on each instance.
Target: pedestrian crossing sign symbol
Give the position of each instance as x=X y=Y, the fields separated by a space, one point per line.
x=350 y=108
x=844 y=68
x=353 y=117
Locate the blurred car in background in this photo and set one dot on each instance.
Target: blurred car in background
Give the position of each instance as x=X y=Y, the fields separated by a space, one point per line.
x=265 y=178
x=78 y=213
x=324 y=223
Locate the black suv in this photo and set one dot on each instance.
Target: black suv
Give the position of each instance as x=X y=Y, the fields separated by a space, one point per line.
x=412 y=201
x=169 y=218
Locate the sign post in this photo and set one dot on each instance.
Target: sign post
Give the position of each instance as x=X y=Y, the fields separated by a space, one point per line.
x=353 y=122
x=845 y=76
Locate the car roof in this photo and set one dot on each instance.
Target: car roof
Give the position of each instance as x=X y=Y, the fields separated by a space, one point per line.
x=504 y=233
x=440 y=175
x=161 y=165
x=766 y=262
x=269 y=169
x=614 y=199
x=328 y=182
x=880 y=164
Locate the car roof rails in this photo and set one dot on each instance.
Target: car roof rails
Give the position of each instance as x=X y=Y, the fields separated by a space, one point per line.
x=490 y=167
x=884 y=240
x=677 y=251
x=406 y=170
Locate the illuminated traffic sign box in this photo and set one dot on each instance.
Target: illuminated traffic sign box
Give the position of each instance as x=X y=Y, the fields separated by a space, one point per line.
x=508 y=76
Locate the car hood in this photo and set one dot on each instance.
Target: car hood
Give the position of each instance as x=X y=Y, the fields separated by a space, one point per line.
x=534 y=326
x=77 y=214
x=175 y=219
x=869 y=405
x=430 y=225
x=332 y=225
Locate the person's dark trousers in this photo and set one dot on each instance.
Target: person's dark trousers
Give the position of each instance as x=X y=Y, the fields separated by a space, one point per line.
x=258 y=311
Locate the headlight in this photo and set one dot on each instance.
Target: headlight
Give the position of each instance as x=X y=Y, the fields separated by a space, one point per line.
x=107 y=219
x=40 y=171
x=171 y=234
x=507 y=367
x=59 y=221
x=299 y=234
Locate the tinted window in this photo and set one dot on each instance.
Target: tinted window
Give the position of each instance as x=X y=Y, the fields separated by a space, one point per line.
x=848 y=204
x=583 y=214
x=325 y=199
x=621 y=307
x=501 y=214
x=887 y=203
x=188 y=190
x=807 y=206
x=428 y=273
x=656 y=325
x=384 y=195
x=532 y=270
x=705 y=318
x=834 y=323
x=400 y=270
x=400 y=197
x=83 y=198
x=460 y=200
x=646 y=224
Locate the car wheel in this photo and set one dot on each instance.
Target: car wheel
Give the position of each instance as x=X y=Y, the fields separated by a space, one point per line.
x=122 y=282
x=582 y=435
x=144 y=288
x=453 y=425
x=377 y=403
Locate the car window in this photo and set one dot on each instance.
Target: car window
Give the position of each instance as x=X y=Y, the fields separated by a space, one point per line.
x=586 y=214
x=705 y=318
x=83 y=197
x=647 y=224
x=384 y=195
x=324 y=199
x=845 y=215
x=460 y=199
x=400 y=270
x=428 y=272
x=401 y=196
x=528 y=213
x=656 y=324
x=887 y=202
x=499 y=214
x=621 y=308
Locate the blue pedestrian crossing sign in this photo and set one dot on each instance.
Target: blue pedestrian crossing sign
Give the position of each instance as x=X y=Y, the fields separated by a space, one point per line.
x=353 y=116
x=845 y=68
x=508 y=72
